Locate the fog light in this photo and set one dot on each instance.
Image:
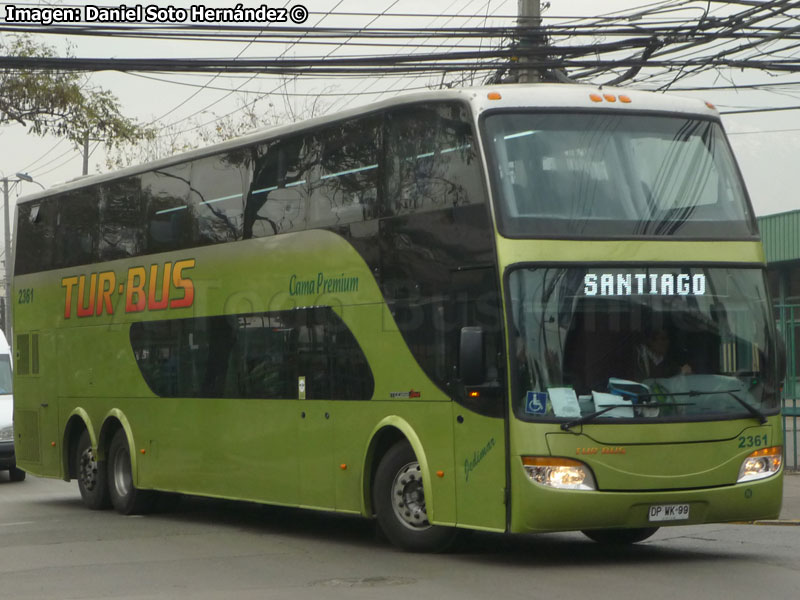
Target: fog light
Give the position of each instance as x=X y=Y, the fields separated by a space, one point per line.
x=761 y=463
x=561 y=473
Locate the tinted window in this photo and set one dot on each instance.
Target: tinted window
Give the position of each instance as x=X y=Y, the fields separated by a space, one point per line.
x=78 y=228
x=276 y=199
x=165 y=193
x=431 y=160
x=36 y=236
x=253 y=356
x=122 y=231
x=216 y=197
x=345 y=187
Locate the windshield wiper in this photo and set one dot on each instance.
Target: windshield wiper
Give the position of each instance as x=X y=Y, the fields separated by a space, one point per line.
x=749 y=407
x=691 y=393
x=592 y=416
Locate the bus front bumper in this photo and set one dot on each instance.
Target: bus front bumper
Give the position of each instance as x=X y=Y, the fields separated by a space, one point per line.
x=537 y=508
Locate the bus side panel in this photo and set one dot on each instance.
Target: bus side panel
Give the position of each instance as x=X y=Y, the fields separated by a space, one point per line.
x=428 y=421
x=480 y=471
x=223 y=447
x=36 y=408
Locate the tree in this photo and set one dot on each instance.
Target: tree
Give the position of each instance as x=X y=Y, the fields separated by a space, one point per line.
x=207 y=128
x=60 y=103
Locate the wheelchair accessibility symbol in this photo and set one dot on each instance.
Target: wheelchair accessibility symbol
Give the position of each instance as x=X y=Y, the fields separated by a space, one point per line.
x=536 y=403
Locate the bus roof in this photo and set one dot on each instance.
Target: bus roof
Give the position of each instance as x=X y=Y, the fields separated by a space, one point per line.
x=506 y=96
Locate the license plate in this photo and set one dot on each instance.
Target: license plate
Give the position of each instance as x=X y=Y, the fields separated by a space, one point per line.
x=668 y=512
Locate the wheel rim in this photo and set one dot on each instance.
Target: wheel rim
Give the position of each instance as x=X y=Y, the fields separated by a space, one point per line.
x=87 y=470
x=121 y=473
x=408 y=497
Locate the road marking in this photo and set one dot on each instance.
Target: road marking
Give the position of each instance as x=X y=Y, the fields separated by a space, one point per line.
x=17 y=523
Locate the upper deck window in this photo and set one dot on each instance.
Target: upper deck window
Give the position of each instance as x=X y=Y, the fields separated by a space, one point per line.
x=615 y=175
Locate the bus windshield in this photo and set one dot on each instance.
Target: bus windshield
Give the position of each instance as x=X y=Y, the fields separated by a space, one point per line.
x=662 y=343
x=615 y=175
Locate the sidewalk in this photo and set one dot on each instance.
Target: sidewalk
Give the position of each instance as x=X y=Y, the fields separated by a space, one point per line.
x=791 y=497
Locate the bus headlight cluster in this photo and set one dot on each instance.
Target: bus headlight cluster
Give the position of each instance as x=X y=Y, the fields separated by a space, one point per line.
x=561 y=473
x=761 y=463
x=7 y=434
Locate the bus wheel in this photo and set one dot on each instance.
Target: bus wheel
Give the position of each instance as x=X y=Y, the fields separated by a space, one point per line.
x=399 y=501
x=15 y=474
x=126 y=498
x=92 y=481
x=620 y=536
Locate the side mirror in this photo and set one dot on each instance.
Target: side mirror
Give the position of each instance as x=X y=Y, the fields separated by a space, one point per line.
x=471 y=366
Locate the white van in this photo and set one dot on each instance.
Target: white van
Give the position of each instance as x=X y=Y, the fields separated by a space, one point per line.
x=8 y=461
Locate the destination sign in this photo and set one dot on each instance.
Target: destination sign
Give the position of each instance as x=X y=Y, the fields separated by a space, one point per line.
x=644 y=284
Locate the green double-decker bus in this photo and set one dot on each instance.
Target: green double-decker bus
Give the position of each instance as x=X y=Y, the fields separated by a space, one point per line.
x=515 y=309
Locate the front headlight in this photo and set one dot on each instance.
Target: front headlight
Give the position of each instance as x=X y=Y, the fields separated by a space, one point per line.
x=7 y=434
x=761 y=463
x=561 y=473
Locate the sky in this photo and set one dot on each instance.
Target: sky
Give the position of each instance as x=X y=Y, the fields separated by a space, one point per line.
x=767 y=145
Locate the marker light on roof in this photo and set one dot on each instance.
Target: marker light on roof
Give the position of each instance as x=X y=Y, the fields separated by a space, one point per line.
x=596 y=97
x=610 y=97
x=494 y=96
x=625 y=99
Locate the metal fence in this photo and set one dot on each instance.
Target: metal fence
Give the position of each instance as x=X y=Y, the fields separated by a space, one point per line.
x=789 y=326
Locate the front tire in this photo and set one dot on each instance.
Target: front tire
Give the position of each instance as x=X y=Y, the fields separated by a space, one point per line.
x=126 y=498
x=91 y=475
x=16 y=474
x=620 y=536
x=399 y=501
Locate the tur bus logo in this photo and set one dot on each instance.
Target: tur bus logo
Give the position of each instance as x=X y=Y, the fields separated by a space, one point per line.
x=157 y=288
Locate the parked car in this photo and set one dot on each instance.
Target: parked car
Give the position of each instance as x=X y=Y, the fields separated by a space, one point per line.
x=8 y=459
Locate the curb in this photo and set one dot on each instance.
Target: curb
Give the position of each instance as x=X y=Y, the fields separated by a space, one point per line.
x=782 y=522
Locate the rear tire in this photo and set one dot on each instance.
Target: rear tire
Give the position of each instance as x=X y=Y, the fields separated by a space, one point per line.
x=91 y=475
x=399 y=501
x=16 y=474
x=620 y=537
x=126 y=498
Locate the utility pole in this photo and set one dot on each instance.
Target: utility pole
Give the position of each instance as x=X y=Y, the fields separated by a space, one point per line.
x=86 y=154
x=529 y=16
x=7 y=255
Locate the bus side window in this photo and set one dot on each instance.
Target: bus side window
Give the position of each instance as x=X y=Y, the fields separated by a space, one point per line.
x=431 y=160
x=121 y=216
x=346 y=189
x=78 y=228
x=216 y=197
x=35 y=236
x=276 y=199
x=165 y=192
